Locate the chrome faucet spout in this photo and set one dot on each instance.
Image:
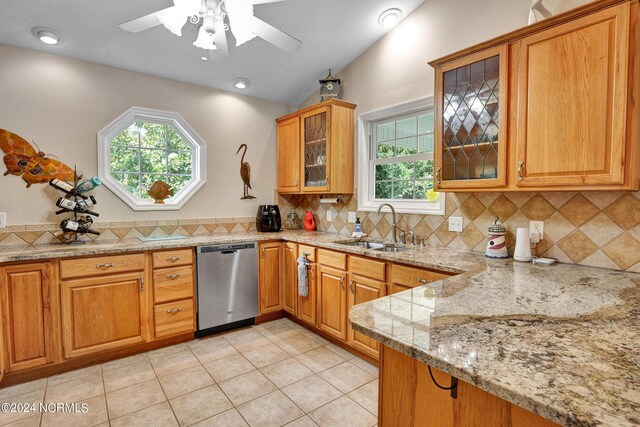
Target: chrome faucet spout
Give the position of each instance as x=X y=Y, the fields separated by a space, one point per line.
x=394 y=226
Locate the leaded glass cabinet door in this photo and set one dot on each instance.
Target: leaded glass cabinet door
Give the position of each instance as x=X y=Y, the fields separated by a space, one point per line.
x=471 y=128
x=315 y=146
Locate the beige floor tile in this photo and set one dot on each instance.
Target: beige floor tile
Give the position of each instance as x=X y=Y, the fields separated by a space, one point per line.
x=247 y=387
x=127 y=375
x=174 y=362
x=311 y=393
x=22 y=388
x=302 y=422
x=265 y=355
x=76 y=390
x=74 y=375
x=286 y=372
x=298 y=344
x=278 y=333
x=186 y=381
x=230 y=418
x=343 y=412
x=271 y=410
x=213 y=350
x=96 y=413
x=347 y=355
x=367 y=396
x=165 y=351
x=200 y=405
x=346 y=377
x=319 y=359
x=134 y=398
x=229 y=367
x=317 y=338
x=246 y=340
x=27 y=422
x=205 y=341
x=35 y=397
x=363 y=364
x=159 y=415
x=125 y=361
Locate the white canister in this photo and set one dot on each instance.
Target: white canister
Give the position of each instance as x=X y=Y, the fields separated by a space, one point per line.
x=523 y=245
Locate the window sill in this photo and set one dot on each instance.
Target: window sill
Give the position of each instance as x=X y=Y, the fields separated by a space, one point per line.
x=407 y=207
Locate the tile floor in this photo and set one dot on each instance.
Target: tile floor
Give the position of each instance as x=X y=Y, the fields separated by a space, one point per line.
x=273 y=374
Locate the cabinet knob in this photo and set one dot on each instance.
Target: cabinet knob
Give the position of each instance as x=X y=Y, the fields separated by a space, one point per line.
x=423 y=281
x=109 y=265
x=353 y=291
x=342 y=283
x=172 y=276
x=172 y=258
x=520 y=168
x=438 y=176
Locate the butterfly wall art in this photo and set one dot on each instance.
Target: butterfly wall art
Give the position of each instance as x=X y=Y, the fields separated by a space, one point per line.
x=22 y=159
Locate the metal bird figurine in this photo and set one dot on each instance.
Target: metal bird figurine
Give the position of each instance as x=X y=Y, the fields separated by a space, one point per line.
x=245 y=173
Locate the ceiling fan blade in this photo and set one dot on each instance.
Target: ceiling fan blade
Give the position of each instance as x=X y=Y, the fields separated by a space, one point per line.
x=220 y=39
x=264 y=1
x=144 y=22
x=274 y=36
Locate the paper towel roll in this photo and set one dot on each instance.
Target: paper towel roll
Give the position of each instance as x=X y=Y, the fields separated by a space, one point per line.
x=523 y=245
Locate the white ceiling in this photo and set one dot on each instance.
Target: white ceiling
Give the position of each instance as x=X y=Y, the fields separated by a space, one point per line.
x=333 y=32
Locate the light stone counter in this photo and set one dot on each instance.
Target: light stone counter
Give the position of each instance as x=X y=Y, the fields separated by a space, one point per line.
x=562 y=341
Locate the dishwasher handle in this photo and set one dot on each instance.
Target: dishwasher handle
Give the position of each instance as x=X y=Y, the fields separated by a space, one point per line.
x=228 y=252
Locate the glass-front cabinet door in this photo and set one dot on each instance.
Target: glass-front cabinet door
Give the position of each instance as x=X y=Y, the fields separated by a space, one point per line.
x=470 y=146
x=316 y=159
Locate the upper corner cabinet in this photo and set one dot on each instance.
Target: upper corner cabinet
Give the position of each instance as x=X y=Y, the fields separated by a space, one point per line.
x=315 y=149
x=470 y=131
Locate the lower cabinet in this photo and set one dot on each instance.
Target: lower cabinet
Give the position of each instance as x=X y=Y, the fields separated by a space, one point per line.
x=361 y=290
x=270 y=277
x=27 y=312
x=102 y=313
x=332 y=298
x=290 y=279
x=307 y=305
x=174 y=318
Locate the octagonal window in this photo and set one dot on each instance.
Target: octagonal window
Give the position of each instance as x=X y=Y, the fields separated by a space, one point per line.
x=144 y=146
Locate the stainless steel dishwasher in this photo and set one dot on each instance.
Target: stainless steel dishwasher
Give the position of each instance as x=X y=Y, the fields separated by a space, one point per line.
x=227 y=286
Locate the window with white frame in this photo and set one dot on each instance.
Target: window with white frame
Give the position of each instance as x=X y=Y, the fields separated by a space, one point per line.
x=396 y=159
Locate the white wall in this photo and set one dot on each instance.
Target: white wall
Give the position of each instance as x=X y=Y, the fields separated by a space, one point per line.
x=62 y=103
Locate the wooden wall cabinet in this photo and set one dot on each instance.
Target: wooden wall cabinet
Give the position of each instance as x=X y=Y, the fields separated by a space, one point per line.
x=315 y=149
x=270 y=277
x=564 y=115
x=29 y=310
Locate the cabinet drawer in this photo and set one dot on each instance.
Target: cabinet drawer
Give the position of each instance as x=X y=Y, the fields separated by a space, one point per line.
x=100 y=265
x=174 y=318
x=172 y=258
x=302 y=249
x=332 y=259
x=172 y=284
x=410 y=276
x=367 y=267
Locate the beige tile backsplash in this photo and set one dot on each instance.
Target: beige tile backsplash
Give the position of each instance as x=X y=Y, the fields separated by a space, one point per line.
x=600 y=229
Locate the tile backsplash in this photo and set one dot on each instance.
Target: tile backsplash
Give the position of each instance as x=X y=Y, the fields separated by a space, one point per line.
x=600 y=229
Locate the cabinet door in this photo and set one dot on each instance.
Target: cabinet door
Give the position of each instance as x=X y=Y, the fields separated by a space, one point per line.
x=394 y=288
x=289 y=155
x=307 y=305
x=290 y=271
x=270 y=277
x=27 y=317
x=470 y=126
x=362 y=290
x=316 y=156
x=333 y=302
x=572 y=83
x=103 y=313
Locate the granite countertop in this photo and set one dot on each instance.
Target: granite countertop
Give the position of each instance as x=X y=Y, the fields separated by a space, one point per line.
x=562 y=341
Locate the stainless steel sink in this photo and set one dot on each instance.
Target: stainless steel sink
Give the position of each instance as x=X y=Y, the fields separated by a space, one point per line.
x=363 y=244
x=391 y=248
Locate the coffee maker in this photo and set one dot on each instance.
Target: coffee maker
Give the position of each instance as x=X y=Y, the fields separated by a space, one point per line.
x=268 y=218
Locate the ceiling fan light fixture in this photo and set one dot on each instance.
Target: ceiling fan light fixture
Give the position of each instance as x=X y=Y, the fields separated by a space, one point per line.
x=390 y=17
x=46 y=36
x=174 y=20
x=205 y=40
x=241 y=83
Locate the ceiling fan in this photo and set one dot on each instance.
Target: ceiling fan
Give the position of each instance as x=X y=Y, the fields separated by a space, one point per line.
x=212 y=16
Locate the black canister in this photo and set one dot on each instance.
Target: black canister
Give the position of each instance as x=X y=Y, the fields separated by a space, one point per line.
x=268 y=218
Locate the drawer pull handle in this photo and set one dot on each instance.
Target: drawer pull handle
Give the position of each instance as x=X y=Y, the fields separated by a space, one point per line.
x=173 y=276
x=174 y=310
x=423 y=281
x=109 y=265
x=351 y=286
x=172 y=258
x=306 y=254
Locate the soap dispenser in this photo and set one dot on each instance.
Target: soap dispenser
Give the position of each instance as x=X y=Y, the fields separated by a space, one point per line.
x=497 y=245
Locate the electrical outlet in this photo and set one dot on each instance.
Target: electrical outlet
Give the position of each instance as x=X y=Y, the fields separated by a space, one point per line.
x=536 y=226
x=455 y=224
x=329 y=216
x=3 y=220
x=351 y=217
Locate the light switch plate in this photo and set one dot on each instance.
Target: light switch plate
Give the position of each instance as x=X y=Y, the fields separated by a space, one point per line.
x=537 y=226
x=351 y=217
x=3 y=220
x=455 y=224
x=329 y=216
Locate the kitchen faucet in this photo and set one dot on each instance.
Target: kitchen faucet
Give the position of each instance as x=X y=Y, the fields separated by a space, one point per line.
x=394 y=226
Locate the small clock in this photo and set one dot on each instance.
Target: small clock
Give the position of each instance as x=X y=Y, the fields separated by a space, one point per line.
x=329 y=87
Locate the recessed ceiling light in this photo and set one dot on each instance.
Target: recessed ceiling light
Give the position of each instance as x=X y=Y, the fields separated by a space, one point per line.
x=241 y=83
x=46 y=35
x=390 y=17
x=204 y=58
